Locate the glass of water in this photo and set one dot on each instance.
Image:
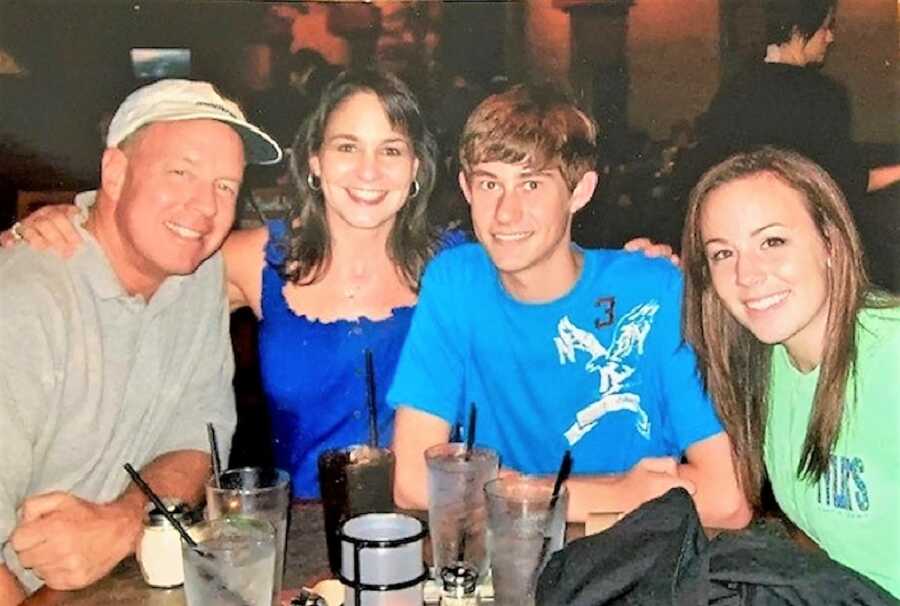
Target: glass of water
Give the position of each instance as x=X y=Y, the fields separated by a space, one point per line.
x=254 y=492
x=234 y=565
x=457 y=516
x=525 y=531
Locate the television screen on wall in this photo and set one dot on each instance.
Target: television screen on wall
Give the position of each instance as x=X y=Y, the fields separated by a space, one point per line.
x=156 y=63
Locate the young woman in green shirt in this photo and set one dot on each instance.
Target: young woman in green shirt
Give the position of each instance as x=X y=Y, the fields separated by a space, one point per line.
x=799 y=352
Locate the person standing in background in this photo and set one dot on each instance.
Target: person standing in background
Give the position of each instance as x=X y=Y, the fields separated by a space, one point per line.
x=783 y=99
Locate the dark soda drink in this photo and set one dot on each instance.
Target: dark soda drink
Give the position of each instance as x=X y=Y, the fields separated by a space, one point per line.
x=354 y=480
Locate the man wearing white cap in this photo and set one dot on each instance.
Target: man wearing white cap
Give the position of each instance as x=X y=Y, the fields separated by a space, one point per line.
x=121 y=352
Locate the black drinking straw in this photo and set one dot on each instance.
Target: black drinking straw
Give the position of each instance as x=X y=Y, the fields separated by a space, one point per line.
x=470 y=431
x=565 y=468
x=214 y=453
x=163 y=509
x=467 y=456
x=373 y=409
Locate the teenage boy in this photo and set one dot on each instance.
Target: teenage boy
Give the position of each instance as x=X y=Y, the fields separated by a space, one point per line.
x=559 y=347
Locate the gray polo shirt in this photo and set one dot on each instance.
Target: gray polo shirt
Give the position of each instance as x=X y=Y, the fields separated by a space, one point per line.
x=92 y=378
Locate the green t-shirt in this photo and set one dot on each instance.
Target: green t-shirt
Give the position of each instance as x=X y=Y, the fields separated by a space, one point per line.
x=853 y=512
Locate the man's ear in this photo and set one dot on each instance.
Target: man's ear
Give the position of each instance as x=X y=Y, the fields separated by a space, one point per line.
x=464 y=186
x=113 y=171
x=584 y=191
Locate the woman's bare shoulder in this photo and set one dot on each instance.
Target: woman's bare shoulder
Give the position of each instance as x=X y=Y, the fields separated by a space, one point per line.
x=246 y=240
x=244 y=252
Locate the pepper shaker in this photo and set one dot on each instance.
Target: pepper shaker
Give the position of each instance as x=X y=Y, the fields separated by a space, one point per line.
x=458 y=586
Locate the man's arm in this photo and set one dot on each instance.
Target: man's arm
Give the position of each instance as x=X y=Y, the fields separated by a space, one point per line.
x=71 y=542
x=179 y=475
x=719 y=499
x=11 y=592
x=414 y=432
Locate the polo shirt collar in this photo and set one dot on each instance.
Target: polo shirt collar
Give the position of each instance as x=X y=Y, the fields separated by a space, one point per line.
x=99 y=272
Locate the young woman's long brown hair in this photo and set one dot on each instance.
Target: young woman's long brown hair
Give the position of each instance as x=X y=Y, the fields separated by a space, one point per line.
x=734 y=364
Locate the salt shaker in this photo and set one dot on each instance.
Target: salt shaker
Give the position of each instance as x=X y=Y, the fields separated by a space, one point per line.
x=159 y=551
x=458 y=586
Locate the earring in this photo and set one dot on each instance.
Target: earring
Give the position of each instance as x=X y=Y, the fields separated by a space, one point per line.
x=414 y=189
x=313 y=182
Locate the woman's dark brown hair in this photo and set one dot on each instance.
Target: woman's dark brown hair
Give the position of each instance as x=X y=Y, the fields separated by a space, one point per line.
x=734 y=364
x=411 y=242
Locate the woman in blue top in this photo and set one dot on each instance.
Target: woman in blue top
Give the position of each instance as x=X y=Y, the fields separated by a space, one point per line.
x=339 y=276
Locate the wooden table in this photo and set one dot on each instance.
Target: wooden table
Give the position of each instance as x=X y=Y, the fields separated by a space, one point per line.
x=306 y=562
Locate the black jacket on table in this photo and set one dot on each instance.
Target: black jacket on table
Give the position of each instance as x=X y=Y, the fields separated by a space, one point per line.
x=659 y=555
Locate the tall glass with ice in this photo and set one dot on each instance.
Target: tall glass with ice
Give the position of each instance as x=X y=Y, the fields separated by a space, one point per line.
x=255 y=492
x=234 y=566
x=525 y=532
x=457 y=517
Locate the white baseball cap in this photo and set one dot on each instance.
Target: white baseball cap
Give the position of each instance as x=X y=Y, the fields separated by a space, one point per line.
x=172 y=100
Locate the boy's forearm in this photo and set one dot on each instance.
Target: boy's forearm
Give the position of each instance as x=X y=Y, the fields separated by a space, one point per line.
x=414 y=432
x=719 y=501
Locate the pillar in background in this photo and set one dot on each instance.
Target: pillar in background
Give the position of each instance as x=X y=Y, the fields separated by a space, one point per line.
x=598 y=67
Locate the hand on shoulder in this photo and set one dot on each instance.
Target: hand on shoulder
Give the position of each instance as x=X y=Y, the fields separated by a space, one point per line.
x=47 y=228
x=653 y=249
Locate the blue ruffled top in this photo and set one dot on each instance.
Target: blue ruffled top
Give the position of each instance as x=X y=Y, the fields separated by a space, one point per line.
x=314 y=376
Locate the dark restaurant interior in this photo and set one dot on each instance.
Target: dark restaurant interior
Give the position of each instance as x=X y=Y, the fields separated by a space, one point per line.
x=646 y=68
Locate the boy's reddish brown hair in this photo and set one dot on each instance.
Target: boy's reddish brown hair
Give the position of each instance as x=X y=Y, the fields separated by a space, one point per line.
x=537 y=125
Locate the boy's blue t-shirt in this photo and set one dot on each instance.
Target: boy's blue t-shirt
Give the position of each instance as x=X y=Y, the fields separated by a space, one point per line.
x=602 y=371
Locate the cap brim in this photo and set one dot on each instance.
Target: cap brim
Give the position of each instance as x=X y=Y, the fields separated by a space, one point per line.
x=259 y=147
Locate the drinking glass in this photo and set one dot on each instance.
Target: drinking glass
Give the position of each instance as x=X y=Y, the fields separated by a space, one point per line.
x=457 y=518
x=235 y=565
x=354 y=480
x=525 y=532
x=254 y=492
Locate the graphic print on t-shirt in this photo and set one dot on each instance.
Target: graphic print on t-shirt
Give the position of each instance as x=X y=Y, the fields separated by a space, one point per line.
x=614 y=365
x=842 y=487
